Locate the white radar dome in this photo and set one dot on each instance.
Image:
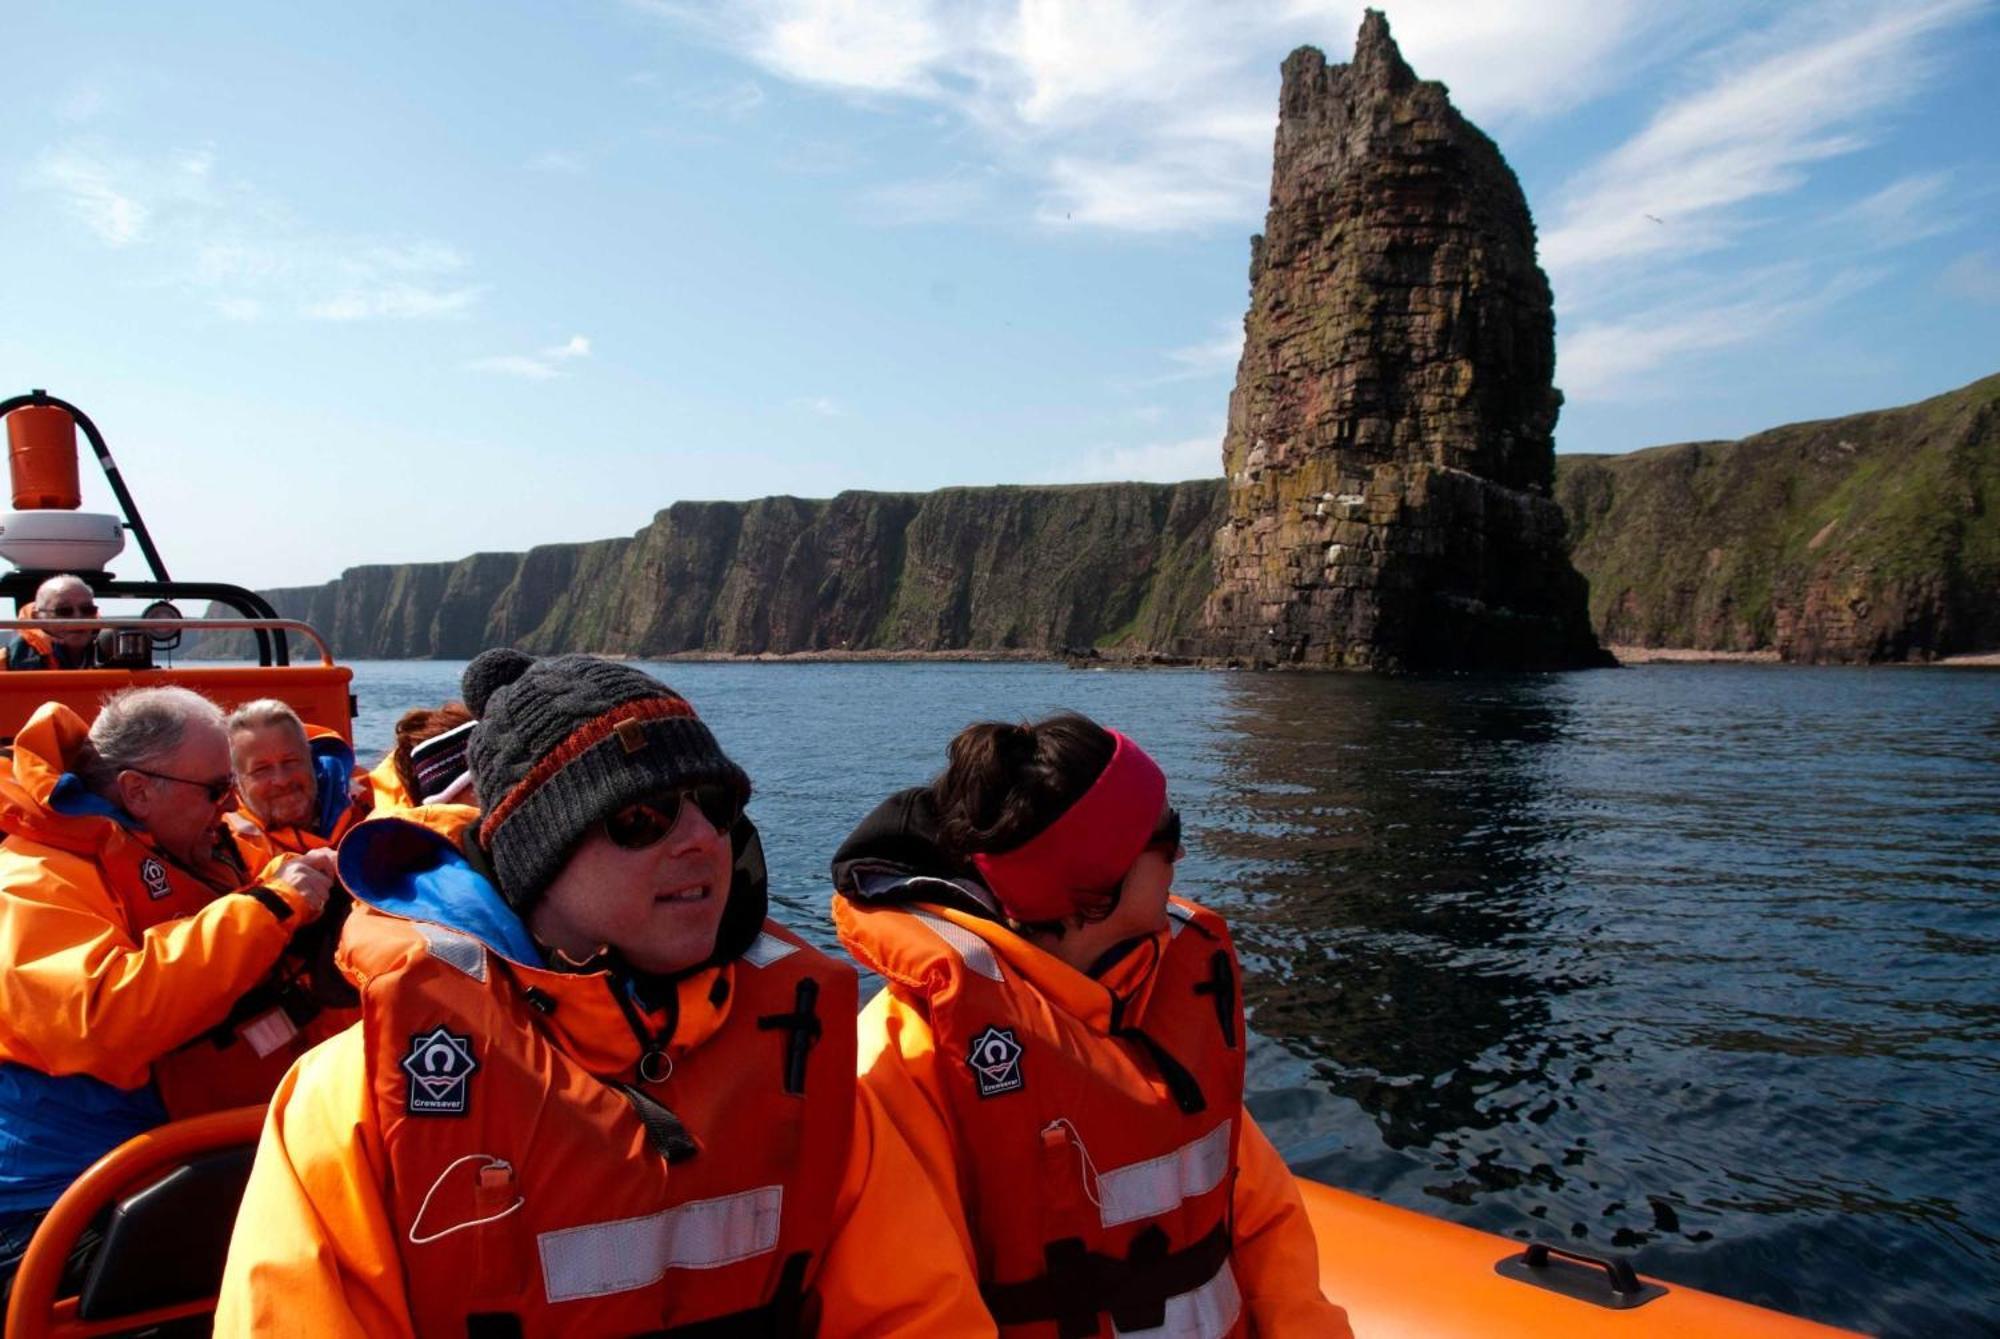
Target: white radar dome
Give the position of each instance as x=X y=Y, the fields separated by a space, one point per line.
x=60 y=541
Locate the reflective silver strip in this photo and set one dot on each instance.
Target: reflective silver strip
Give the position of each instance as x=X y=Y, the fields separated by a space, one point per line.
x=766 y=949
x=1161 y=1185
x=966 y=944
x=1180 y=918
x=454 y=949
x=605 y=1258
x=1207 y=1312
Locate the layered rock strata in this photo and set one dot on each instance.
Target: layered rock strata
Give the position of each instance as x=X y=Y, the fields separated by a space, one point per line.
x=1010 y=569
x=1854 y=540
x=1390 y=447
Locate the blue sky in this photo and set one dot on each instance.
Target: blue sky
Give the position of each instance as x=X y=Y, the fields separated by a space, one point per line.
x=387 y=282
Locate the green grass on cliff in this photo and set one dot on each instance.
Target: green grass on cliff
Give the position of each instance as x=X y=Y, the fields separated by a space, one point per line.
x=1870 y=537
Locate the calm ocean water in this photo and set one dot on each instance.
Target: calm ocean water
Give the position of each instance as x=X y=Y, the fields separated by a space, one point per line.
x=1691 y=962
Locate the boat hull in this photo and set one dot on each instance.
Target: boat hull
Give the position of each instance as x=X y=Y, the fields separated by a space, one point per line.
x=1407 y=1275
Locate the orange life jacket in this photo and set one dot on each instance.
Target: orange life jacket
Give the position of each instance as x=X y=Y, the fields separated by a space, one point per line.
x=530 y=1182
x=385 y=783
x=38 y=646
x=219 y=1069
x=259 y=845
x=1097 y=1158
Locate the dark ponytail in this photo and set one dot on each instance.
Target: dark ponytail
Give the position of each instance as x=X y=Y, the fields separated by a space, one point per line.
x=1005 y=783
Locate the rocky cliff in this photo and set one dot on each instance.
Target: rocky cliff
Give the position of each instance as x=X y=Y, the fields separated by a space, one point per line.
x=1851 y=540
x=1389 y=451
x=1041 y=570
x=1869 y=538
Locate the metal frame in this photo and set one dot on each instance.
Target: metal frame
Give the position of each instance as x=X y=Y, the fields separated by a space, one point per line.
x=133 y=520
x=272 y=646
x=164 y=625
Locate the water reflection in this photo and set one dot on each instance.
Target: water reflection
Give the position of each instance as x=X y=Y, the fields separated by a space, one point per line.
x=1402 y=889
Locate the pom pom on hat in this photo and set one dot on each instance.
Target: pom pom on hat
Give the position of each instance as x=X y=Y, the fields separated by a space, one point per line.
x=489 y=672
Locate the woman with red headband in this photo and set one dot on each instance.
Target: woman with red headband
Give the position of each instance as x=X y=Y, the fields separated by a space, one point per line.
x=1061 y=1041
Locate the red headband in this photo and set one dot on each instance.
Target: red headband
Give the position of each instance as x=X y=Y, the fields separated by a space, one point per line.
x=1086 y=851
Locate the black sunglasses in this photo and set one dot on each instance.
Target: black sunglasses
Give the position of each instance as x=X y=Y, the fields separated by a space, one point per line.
x=215 y=790
x=647 y=822
x=1167 y=836
x=76 y=611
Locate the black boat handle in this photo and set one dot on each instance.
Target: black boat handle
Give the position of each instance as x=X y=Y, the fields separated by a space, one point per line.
x=1624 y=1279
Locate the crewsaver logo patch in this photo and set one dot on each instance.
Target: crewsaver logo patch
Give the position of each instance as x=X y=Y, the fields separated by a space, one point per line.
x=439 y=1063
x=996 y=1061
x=154 y=875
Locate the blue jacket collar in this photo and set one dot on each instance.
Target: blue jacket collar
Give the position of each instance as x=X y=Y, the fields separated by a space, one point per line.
x=72 y=799
x=407 y=870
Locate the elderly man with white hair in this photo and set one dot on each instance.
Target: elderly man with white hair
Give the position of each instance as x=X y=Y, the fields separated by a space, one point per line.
x=136 y=961
x=62 y=596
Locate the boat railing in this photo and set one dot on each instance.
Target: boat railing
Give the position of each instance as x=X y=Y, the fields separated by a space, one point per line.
x=162 y=626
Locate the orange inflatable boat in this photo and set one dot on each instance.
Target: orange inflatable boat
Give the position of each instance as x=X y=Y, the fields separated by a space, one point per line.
x=1400 y=1274
x=1407 y=1275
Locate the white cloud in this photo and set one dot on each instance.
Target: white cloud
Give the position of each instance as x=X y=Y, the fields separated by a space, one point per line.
x=1808 y=91
x=89 y=190
x=1157 y=115
x=242 y=251
x=1907 y=210
x=1669 y=211
x=877 y=46
x=1198 y=457
x=1974 y=275
x=1213 y=357
x=824 y=405
x=1622 y=358
x=546 y=365
x=393 y=302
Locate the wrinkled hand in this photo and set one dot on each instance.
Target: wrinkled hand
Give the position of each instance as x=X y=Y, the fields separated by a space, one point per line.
x=309 y=878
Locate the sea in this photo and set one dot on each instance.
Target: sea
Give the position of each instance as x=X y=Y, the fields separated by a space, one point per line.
x=1698 y=964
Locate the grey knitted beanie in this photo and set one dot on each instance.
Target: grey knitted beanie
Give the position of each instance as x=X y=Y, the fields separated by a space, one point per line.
x=566 y=741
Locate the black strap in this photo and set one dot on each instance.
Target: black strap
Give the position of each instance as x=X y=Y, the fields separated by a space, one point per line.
x=273 y=903
x=493 y=1325
x=1221 y=984
x=803 y=1023
x=1080 y=1285
x=652 y=1045
x=663 y=1127
x=1183 y=1087
x=790 y=1314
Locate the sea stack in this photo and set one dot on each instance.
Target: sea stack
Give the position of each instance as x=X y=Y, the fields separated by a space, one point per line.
x=1390 y=449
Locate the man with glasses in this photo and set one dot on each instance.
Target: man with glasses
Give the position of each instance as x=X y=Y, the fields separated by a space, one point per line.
x=63 y=596
x=136 y=968
x=594 y=1089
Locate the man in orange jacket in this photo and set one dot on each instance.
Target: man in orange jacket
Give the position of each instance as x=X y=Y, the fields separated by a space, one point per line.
x=133 y=973
x=595 y=1090
x=294 y=783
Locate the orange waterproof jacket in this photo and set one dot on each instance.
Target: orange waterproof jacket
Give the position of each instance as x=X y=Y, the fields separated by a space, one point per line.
x=117 y=966
x=485 y=1155
x=1089 y=1132
x=386 y=785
